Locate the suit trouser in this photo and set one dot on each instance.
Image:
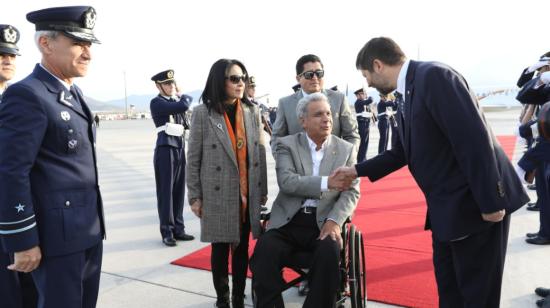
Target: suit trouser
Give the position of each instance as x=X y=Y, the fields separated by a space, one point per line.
x=16 y=289
x=383 y=128
x=239 y=266
x=543 y=200
x=69 y=281
x=364 y=127
x=276 y=245
x=469 y=271
x=170 y=179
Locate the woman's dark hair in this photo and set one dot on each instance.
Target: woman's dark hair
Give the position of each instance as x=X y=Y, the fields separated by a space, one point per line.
x=214 y=94
x=381 y=48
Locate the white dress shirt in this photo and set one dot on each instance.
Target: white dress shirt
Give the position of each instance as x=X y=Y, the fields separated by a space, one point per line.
x=316 y=158
x=401 y=79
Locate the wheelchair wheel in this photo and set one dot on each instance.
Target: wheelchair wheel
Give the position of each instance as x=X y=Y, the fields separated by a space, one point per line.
x=352 y=268
x=359 y=258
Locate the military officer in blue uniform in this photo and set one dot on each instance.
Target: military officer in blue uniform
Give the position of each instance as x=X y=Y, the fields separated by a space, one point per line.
x=364 y=113
x=17 y=287
x=9 y=36
x=386 y=110
x=168 y=112
x=51 y=213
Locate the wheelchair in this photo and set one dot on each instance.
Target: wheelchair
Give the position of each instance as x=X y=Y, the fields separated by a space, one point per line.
x=353 y=285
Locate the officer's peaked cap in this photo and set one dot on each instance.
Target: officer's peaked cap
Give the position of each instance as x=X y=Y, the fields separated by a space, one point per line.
x=9 y=36
x=359 y=91
x=164 y=76
x=76 y=22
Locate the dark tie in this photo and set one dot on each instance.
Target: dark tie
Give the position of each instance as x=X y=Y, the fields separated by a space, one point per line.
x=400 y=103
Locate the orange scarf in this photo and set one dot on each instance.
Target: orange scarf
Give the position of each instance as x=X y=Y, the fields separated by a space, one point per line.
x=238 y=140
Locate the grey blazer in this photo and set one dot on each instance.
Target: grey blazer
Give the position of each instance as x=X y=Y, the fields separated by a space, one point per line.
x=296 y=184
x=212 y=174
x=344 y=124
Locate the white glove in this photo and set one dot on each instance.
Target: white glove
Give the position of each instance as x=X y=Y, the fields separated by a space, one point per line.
x=545 y=77
x=538 y=65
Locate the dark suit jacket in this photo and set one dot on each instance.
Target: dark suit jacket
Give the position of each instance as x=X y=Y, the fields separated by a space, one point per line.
x=451 y=152
x=47 y=169
x=161 y=110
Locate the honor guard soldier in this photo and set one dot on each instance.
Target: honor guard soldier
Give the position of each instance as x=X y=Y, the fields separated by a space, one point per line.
x=168 y=112
x=9 y=36
x=364 y=114
x=386 y=110
x=17 y=287
x=251 y=94
x=51 y=213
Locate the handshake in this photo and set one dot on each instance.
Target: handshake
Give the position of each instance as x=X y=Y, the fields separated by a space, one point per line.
x=342 y=178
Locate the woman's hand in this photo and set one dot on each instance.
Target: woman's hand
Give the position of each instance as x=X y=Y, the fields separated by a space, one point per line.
x=196 y=207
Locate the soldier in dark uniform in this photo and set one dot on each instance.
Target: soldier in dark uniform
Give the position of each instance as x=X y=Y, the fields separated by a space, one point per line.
x=250 y=90
x=364 y=113
x=168 y=112
x=51 y=213
x=385 y=109
x=17 y=287
x=537 y=91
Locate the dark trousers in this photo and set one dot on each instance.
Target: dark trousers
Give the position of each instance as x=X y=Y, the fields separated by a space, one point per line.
x=239 y=266
x=16 y=289
x=276 y=245
x=170 y=179
x=383 y=128
x=543 y=201
x=69 y=281
x=364 y=128
x=469 y=271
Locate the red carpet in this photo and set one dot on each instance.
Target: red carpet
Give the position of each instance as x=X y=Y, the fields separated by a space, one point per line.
x=391 y=215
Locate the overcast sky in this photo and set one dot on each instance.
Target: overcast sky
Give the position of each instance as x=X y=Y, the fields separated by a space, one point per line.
x=489 y=42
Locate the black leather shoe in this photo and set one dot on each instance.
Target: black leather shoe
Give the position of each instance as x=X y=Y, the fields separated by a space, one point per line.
x=237 y=302
x=531 y=235
x=169 y=241
x=184 y=237
x=533 y=208
x=530 y=204
x=542 y=292
x=540 y=302
x=222 y=305
x=303 y=288
x=539 y=240
x=532 y=186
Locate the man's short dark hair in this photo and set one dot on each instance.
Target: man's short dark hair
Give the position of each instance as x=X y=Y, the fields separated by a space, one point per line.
x=305 y=59
x=381 y=48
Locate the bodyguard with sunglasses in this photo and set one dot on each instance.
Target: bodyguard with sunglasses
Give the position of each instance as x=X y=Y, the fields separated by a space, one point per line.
x=168 y=112
x=309 y=74
x=227 y=175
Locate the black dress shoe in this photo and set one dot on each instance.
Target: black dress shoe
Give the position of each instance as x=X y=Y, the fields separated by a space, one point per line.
x=303 y=288
x=530 y=204
x=222 y=305
x=237 y=302
x=540 y=302
x=531 y=235
x=169 y=241
x=539 y=240
x=184 y=237
x=534 y=208
x=532 y=186
x=542 y=292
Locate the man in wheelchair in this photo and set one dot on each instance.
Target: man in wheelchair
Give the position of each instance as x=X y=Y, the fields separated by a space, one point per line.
x=309 y=210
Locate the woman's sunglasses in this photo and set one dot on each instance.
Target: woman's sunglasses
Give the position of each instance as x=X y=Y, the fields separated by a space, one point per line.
x=235 y=79
x=309 y=74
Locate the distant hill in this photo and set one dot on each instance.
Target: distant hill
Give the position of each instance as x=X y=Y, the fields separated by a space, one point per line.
x=96 y=105
x=141 y=102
